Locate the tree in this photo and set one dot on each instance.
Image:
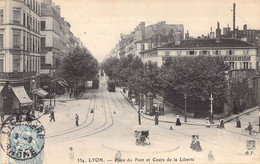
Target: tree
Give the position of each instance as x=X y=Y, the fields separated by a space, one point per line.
x=79 y=65
x=111 y=67
x=197 y=77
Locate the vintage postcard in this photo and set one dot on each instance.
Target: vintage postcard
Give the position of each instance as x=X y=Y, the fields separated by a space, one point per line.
x=129 y=81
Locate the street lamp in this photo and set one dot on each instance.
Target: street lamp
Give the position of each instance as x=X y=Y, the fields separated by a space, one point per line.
x=211 y=109
x=139 y=109
x=185 y=107
x=33 y=106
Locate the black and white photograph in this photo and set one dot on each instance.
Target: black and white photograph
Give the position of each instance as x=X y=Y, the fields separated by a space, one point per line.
x=129 y=81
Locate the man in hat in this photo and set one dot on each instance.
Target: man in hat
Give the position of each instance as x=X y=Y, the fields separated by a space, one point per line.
x=52 y=116
x=77 y=120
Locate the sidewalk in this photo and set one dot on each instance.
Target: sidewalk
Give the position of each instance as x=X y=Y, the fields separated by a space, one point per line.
x=170 y=115
x=66 y=97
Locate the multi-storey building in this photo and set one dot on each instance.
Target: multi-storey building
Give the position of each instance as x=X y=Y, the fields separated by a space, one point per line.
x=241 y=56
x=148 y=37
x=19 y=53
x=238 y=54
x=50 y=41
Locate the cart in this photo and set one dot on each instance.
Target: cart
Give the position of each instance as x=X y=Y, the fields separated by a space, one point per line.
x=142 y=137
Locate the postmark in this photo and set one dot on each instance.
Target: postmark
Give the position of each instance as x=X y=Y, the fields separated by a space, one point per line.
x=22 y=140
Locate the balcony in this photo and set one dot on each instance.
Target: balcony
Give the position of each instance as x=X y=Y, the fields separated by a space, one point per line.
x=16 y=75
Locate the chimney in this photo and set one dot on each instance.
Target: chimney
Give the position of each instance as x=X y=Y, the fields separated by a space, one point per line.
x=187 y=35
x=177 y=38
x=218 y=33
x=245 y=29
x=234 y=19
x=142 y=25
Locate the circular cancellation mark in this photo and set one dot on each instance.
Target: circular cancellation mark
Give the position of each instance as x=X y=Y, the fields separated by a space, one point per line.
x=22 y=140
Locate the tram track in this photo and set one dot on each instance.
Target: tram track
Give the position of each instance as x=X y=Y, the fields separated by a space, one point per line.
x=99 y=129
x=68 y=131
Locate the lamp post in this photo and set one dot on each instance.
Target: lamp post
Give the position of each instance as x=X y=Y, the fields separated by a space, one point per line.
x=139 y=109
x=211 y=109
x=33 y=88
x=185 y=107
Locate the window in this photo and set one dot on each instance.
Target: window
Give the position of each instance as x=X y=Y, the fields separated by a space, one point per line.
x=24 y=18
x=16 y=63
x=204 y=52
x=43 y=25
x=1 y=64
x=30 y=26
x=1 y=16
x=241 y=65
x=235 y=65
x=191 y=52
x=230 y=52
x=43 y=42
x=1 y=41
x=24 y=40
x=33 y=43
x=42 y=59
x=16 y=39
x=16 y=16
x=33 y=24
x=143 y=47
x=246 y=52
x=246 y=65
x=28 y=21
x=232 y=65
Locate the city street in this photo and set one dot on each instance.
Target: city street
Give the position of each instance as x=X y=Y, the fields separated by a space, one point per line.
x=111 y=128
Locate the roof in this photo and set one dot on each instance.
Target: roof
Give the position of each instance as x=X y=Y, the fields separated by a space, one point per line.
x=205 y=43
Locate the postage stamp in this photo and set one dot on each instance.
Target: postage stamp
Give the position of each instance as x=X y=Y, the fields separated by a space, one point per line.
x=22 y=141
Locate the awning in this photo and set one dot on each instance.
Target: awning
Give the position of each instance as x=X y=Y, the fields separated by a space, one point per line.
x=40 y=92
x=1 y=87
x=22 y=96
x=62 y=84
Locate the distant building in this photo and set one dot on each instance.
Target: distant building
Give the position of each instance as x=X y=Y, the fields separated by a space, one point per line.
x=238 y=54
x=143 y=38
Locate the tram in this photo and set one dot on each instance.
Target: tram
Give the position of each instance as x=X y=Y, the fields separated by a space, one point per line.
x=95 y=83
x=111 y=85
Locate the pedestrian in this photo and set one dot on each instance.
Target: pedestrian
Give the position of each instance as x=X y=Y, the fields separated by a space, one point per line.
x=197 y=144
x=211 y=157
x=52 y=116
x=41 y=107
x=156 y=119
x=221 y=124
x=77 y=120
x=28 y=118
x=171 y=128
x=92 y=111
x=178 y=122
x=238 y=123
x=207 y=123
x=17 y=117
x=71 y=155
x=249 y=128
x=192 y=145
x=118 y=156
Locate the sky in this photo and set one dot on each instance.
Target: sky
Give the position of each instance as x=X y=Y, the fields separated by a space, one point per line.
x=98 y=23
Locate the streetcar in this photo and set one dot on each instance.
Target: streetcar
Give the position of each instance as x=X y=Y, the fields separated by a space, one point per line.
x=95 y=83
x=111 y=85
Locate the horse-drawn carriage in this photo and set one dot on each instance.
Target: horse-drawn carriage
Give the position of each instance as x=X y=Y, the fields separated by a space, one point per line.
x=142 y=137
